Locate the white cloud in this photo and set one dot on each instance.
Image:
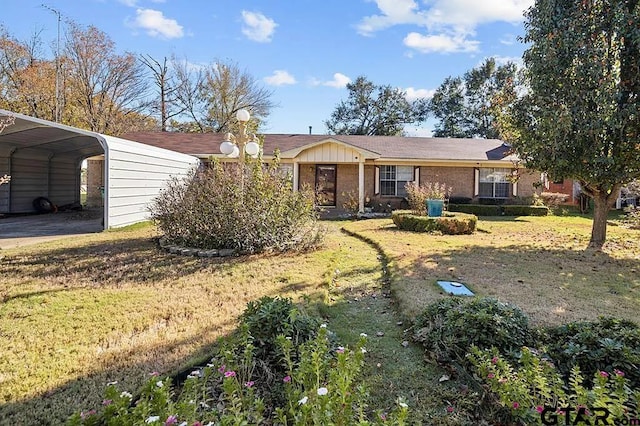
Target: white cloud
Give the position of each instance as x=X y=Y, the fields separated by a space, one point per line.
x=448 y=24
x=394 y=12
x=156 y=24
x=504 y=60
x=258 y=27
x=280 y=78
x=339 y=81
x=440 y=43
x=413 y=94
x=130 y=3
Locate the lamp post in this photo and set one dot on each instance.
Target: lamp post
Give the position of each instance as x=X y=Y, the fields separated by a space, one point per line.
x=242 y=144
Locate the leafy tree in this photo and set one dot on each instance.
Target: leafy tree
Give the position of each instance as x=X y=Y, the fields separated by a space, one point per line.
x=27 y=82
x=448 y=105
x=375 y=110
x=105 y=91
x=469 y=106
x=581 y=118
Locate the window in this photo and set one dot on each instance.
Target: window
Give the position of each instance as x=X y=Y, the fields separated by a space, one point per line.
x=394 y=178
x=494 y=183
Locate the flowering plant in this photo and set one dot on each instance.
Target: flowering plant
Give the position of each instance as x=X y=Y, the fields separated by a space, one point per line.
x=534 y=389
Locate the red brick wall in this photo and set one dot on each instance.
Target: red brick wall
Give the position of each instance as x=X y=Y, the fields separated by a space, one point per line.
x=95 y=176
x=460 y=179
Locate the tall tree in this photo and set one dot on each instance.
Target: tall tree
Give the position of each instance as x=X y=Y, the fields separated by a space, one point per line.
x=167 y=86
x=108 y=90
x=375 y=110
x=27 y=81
x=581 y=117
x=226 y=88
x=448 y=105
x=467 y=106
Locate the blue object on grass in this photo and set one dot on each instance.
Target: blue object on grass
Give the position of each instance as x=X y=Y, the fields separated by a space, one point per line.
x=455 y=288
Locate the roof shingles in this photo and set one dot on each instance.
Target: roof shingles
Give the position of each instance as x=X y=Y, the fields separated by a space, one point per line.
x=388 y=147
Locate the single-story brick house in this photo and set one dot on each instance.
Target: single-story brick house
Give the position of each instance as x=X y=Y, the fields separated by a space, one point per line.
x=375 y=169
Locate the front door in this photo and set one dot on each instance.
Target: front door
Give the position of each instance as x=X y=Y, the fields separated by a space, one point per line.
x=326 y=185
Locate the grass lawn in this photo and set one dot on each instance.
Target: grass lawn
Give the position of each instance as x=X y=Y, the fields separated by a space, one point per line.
x=537 y=263
x=79 y=313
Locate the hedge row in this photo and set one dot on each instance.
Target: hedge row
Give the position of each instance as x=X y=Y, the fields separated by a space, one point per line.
x=449 y=223
x=504 y=210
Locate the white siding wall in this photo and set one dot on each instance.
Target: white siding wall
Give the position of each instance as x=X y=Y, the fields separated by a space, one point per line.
x=136 y=174
x=29 y=179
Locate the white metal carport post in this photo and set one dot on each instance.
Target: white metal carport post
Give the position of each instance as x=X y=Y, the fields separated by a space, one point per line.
x=361 y=185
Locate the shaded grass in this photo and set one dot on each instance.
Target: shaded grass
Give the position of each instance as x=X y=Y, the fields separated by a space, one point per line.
x=537 y=263
x=80 y=313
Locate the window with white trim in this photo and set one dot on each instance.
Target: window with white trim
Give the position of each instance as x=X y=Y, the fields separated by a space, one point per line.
x=394 y=178
x=494 y=183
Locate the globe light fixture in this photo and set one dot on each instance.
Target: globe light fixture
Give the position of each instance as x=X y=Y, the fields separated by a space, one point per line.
x=238 y=146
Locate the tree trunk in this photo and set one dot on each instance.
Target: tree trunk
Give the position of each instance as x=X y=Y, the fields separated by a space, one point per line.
x=601 y=206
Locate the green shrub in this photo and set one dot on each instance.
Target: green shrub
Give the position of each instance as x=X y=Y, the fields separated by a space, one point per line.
x=501 y=210
x=520 y=210
x=449 y=327
x=476 y=209
x=449 y=223
x=265 y=321
x=534 y=392
x=608 y=344
x=460 y=200
x=251 y=210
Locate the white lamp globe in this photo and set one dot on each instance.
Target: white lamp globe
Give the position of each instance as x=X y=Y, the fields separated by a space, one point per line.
x=235 y=153
x=227 y=147
x=252 y=148
x=243 y=115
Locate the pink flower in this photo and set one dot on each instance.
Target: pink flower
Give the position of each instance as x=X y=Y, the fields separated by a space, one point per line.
x=604 y=374
x=154 y=373
x=449 y=409
x=619 y=373
x=222 y=368
x=171 y=420
x=84 y=415
x=383 y=416
x=516 y=405
x=106 y=402
x=340 y=350
x=539 y=408
x=229 y=373
x=287 y=379
x=491 y=375
x=502 y=380
x=197 y=423
x=249 y=384
x=494 y=360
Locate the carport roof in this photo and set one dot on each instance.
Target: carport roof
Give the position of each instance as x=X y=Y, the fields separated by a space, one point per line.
x=51 y=138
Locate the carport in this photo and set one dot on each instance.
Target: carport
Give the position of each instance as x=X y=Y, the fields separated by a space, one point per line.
x=44 y=159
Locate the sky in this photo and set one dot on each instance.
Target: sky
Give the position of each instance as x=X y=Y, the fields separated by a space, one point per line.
x=304 y=51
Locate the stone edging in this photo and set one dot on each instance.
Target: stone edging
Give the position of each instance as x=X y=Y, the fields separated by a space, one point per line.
x=189 y=251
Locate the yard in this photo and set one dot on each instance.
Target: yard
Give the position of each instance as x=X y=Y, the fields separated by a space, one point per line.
x=79 y=313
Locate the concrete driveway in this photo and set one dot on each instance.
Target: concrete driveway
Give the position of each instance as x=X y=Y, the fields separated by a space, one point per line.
x=18 y=231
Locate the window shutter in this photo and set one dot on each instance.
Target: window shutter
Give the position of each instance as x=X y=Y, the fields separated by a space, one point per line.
x=476 y=182
x=416 y=175
x=515 y=183
x=376 y=181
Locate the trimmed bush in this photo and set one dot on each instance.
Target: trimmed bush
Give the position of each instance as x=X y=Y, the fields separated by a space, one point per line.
x=449 y=327
x=250 y=210
x=476 y=209
x=608 y=344
x=502 y=210
x=449 y=223
x=460 y=200
x=525 y=210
